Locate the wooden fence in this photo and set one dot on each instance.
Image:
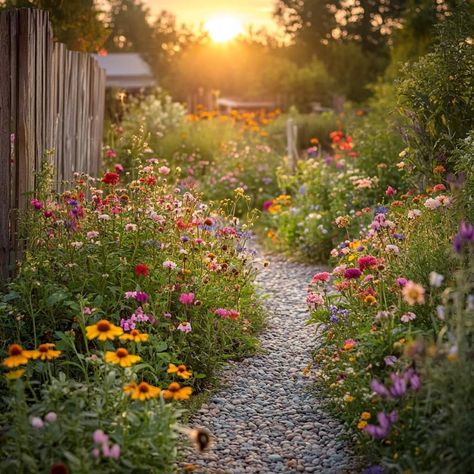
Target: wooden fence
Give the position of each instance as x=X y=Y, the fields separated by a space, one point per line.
x=50 y=99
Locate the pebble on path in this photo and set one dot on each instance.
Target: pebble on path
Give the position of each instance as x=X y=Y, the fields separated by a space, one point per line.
x=264 y=420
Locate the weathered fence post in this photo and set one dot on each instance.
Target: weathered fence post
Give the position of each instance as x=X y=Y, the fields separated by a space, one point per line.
x=292 y=143
x=50 y=99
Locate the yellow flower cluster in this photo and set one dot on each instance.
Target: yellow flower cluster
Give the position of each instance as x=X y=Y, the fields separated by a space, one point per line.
x=104 y=330
x=18 y=356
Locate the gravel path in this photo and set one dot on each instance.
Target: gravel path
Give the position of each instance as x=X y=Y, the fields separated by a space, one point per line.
x=264 y=420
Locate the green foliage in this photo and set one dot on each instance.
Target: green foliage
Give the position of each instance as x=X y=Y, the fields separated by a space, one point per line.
x=377 y=139
x=436 y=94
x=309 y=126
x=76 y=23
x=145 y=432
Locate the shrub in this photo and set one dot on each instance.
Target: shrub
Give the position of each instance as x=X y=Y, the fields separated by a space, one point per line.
x=436 y=94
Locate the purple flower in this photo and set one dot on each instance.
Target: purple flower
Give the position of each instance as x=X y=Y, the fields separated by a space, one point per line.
x=379 y=388
x=382 y=430
x=401 y=281
x=464 y=236
x=399 y=385
x=390 y=360
x=141 y=296
x=415 y=382
x=375 y=469
x=466 y=231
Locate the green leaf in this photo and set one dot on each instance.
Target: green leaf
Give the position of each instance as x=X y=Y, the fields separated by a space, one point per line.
x=57 y=297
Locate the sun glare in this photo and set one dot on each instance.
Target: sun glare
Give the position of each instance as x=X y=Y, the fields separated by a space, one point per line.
x=223 y=28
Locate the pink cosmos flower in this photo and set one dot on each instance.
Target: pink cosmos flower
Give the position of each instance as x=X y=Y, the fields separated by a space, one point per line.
x=390 y=191
x=92 y=234
x=314 y=299
x=407 y=317
x=110 y=153
x=100 y=437
x=185 y=327
x=186 y=298
x=222 y=312
x=119 y=168
x=164 y=170
x=413 y=293
x=169 y=265
x=414 y=213
x=392 y=249
x=432 y=204
x=321 y=276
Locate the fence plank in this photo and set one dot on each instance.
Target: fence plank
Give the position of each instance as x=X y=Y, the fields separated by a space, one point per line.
x=5 y=114
x=50 y=99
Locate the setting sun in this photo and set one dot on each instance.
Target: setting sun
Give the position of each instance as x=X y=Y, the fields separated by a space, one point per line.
x=223 y=28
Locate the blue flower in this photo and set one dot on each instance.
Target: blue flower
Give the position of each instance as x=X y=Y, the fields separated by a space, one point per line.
x=381 y=210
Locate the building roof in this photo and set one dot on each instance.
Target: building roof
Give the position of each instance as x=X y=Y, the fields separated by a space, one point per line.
x=243 y=104
x=126 y=70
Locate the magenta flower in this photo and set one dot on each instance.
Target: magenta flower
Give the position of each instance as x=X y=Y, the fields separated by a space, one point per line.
x=37 y=204
x=401 y=282
x=222 y=312
x=186 y=298
x=352 y=273
x=366 y=261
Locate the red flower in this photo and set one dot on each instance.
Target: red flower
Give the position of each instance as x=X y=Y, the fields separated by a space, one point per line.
x=111 y=178
x=366 y=261
x=141 y=270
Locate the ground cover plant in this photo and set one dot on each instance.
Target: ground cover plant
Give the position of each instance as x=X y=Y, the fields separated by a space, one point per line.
x=130 y=296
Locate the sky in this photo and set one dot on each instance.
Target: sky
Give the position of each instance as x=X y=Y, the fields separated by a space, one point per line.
x=256 y=12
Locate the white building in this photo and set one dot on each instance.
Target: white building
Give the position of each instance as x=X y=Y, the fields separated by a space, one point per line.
x=126 y=71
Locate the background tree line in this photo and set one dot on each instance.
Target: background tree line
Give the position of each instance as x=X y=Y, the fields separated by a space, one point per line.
x=326 y=47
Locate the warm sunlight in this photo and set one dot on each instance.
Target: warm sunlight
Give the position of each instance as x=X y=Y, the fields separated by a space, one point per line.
x=223 y=28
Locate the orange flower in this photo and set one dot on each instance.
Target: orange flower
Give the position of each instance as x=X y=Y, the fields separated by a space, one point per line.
x=14 y=374
x=440 y=169
x=365 y=415
x=370 y=300
x=135 y=335
x=176 y=392
x=142 y=391
x=121 y=357
x=103 y=330
x=17 y=356
x=180 y=371
x=45 y=352
x=361 y=425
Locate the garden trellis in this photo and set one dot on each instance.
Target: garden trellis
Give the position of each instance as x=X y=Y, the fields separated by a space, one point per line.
x=50 y=99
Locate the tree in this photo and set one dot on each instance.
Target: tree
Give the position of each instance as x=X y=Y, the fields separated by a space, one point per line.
x=77 y=23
